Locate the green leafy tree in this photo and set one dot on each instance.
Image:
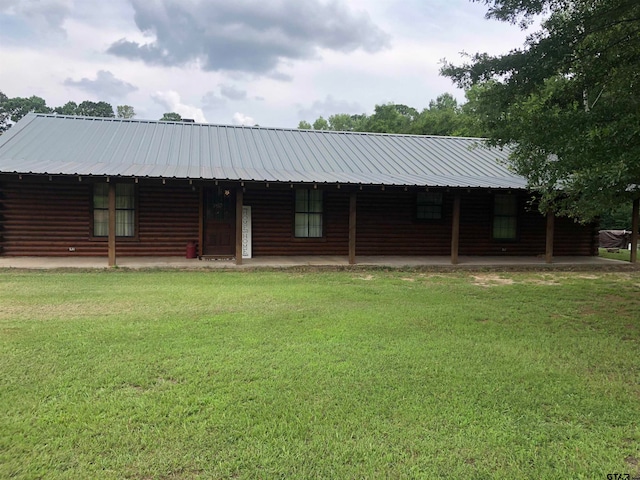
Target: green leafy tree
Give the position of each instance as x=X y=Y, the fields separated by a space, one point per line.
x=320 y=124
x=95 y=109
x=125 y=111
x=13 y=109
x=567 y=103
x=344 y=122
x=304 y=125
x=391 y=118
x=171 y=117
x=69 y=108
x=442 y=117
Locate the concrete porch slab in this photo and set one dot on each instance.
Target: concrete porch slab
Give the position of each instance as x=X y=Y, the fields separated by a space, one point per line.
x=443 y=262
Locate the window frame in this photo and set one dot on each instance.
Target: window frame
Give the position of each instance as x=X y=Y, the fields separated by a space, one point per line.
x=418 y=204
x=134 y=209
x=496 y=216
x=296 y=212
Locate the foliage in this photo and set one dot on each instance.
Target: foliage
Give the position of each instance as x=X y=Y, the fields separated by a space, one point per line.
x=171 y=117
x=69 y=108
x=304 y=125
x=86 y=109
x=95 y=109
x=617 y=219
x=442 y=117
x=355 y=374
x=568 y=103
x=125 y=111
x=13 y=109
x=320 y=124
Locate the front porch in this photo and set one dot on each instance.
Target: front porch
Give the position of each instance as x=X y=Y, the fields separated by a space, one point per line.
x=384 y=261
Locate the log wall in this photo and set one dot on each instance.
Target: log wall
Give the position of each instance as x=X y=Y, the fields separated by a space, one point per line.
x=48 y=218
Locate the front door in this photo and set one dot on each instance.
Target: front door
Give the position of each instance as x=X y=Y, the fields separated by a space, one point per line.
x=219 y=222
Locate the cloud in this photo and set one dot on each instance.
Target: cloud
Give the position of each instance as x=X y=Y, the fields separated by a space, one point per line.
x=242 y=119
x=106 y=85
x=327 y=107
x=41 y=16
x=171 y=101
x=212 y=101
x=232 y=93
x=250 y=36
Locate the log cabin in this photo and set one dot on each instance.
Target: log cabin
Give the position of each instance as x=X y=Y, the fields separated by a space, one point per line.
x=84 y=186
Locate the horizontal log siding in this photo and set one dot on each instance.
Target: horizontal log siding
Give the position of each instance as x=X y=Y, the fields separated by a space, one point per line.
x=168 y=218
x=46 y=219
x=386 y=225
x=272 y=217
x=476 y=225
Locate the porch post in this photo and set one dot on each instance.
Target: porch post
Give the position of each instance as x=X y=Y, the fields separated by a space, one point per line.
x=455 y=229
x=352 y=228
x=239 y=202
x=111 y=243
x=635 y=223
x=548 y=255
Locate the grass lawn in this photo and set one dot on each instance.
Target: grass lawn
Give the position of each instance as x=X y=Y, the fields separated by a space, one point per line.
x=319 y=374
x=622 y=254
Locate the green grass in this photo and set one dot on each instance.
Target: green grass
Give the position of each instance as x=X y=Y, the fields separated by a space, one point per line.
x=316 y=374
x=622 y=254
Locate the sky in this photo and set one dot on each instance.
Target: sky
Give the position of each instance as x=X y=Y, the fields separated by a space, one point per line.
x=242 y=62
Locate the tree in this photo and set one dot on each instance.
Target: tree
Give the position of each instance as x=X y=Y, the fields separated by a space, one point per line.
x=95 y=109
x=125 y=111
x=443 y=117
x=304 y=125
x=321 y=124
x=86 y=109
x=567 y=103
x=171 y=117
x=13 y=109
x=69 y=108
x=391 y=118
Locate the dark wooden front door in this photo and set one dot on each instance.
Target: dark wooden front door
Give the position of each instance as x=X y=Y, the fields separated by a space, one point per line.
x=219 y=222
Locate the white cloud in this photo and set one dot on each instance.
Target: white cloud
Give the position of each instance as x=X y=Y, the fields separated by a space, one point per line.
x=322 y=76
x=242 y=119
x=171 y=101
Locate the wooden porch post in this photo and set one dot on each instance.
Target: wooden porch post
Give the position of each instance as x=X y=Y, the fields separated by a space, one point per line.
x=548 y=255
x=352 y=228
x=455 y=229
x=239 y=202
x=635 y=223
x=111 y=243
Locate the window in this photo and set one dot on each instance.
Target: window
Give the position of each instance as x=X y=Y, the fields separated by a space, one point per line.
x=308 y=221
x=125 y=210
x=429 y=206
x=505 y=214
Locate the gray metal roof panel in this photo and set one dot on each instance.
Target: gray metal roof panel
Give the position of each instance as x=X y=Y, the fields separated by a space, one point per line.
x=50 y=144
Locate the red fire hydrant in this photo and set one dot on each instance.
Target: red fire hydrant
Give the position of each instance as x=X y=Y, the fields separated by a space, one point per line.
x=191 y=250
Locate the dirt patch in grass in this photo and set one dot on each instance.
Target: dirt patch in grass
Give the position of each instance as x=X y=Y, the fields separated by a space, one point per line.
x=491 y=280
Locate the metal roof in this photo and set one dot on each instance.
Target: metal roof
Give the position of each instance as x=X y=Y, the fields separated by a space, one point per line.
x=63 y=145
